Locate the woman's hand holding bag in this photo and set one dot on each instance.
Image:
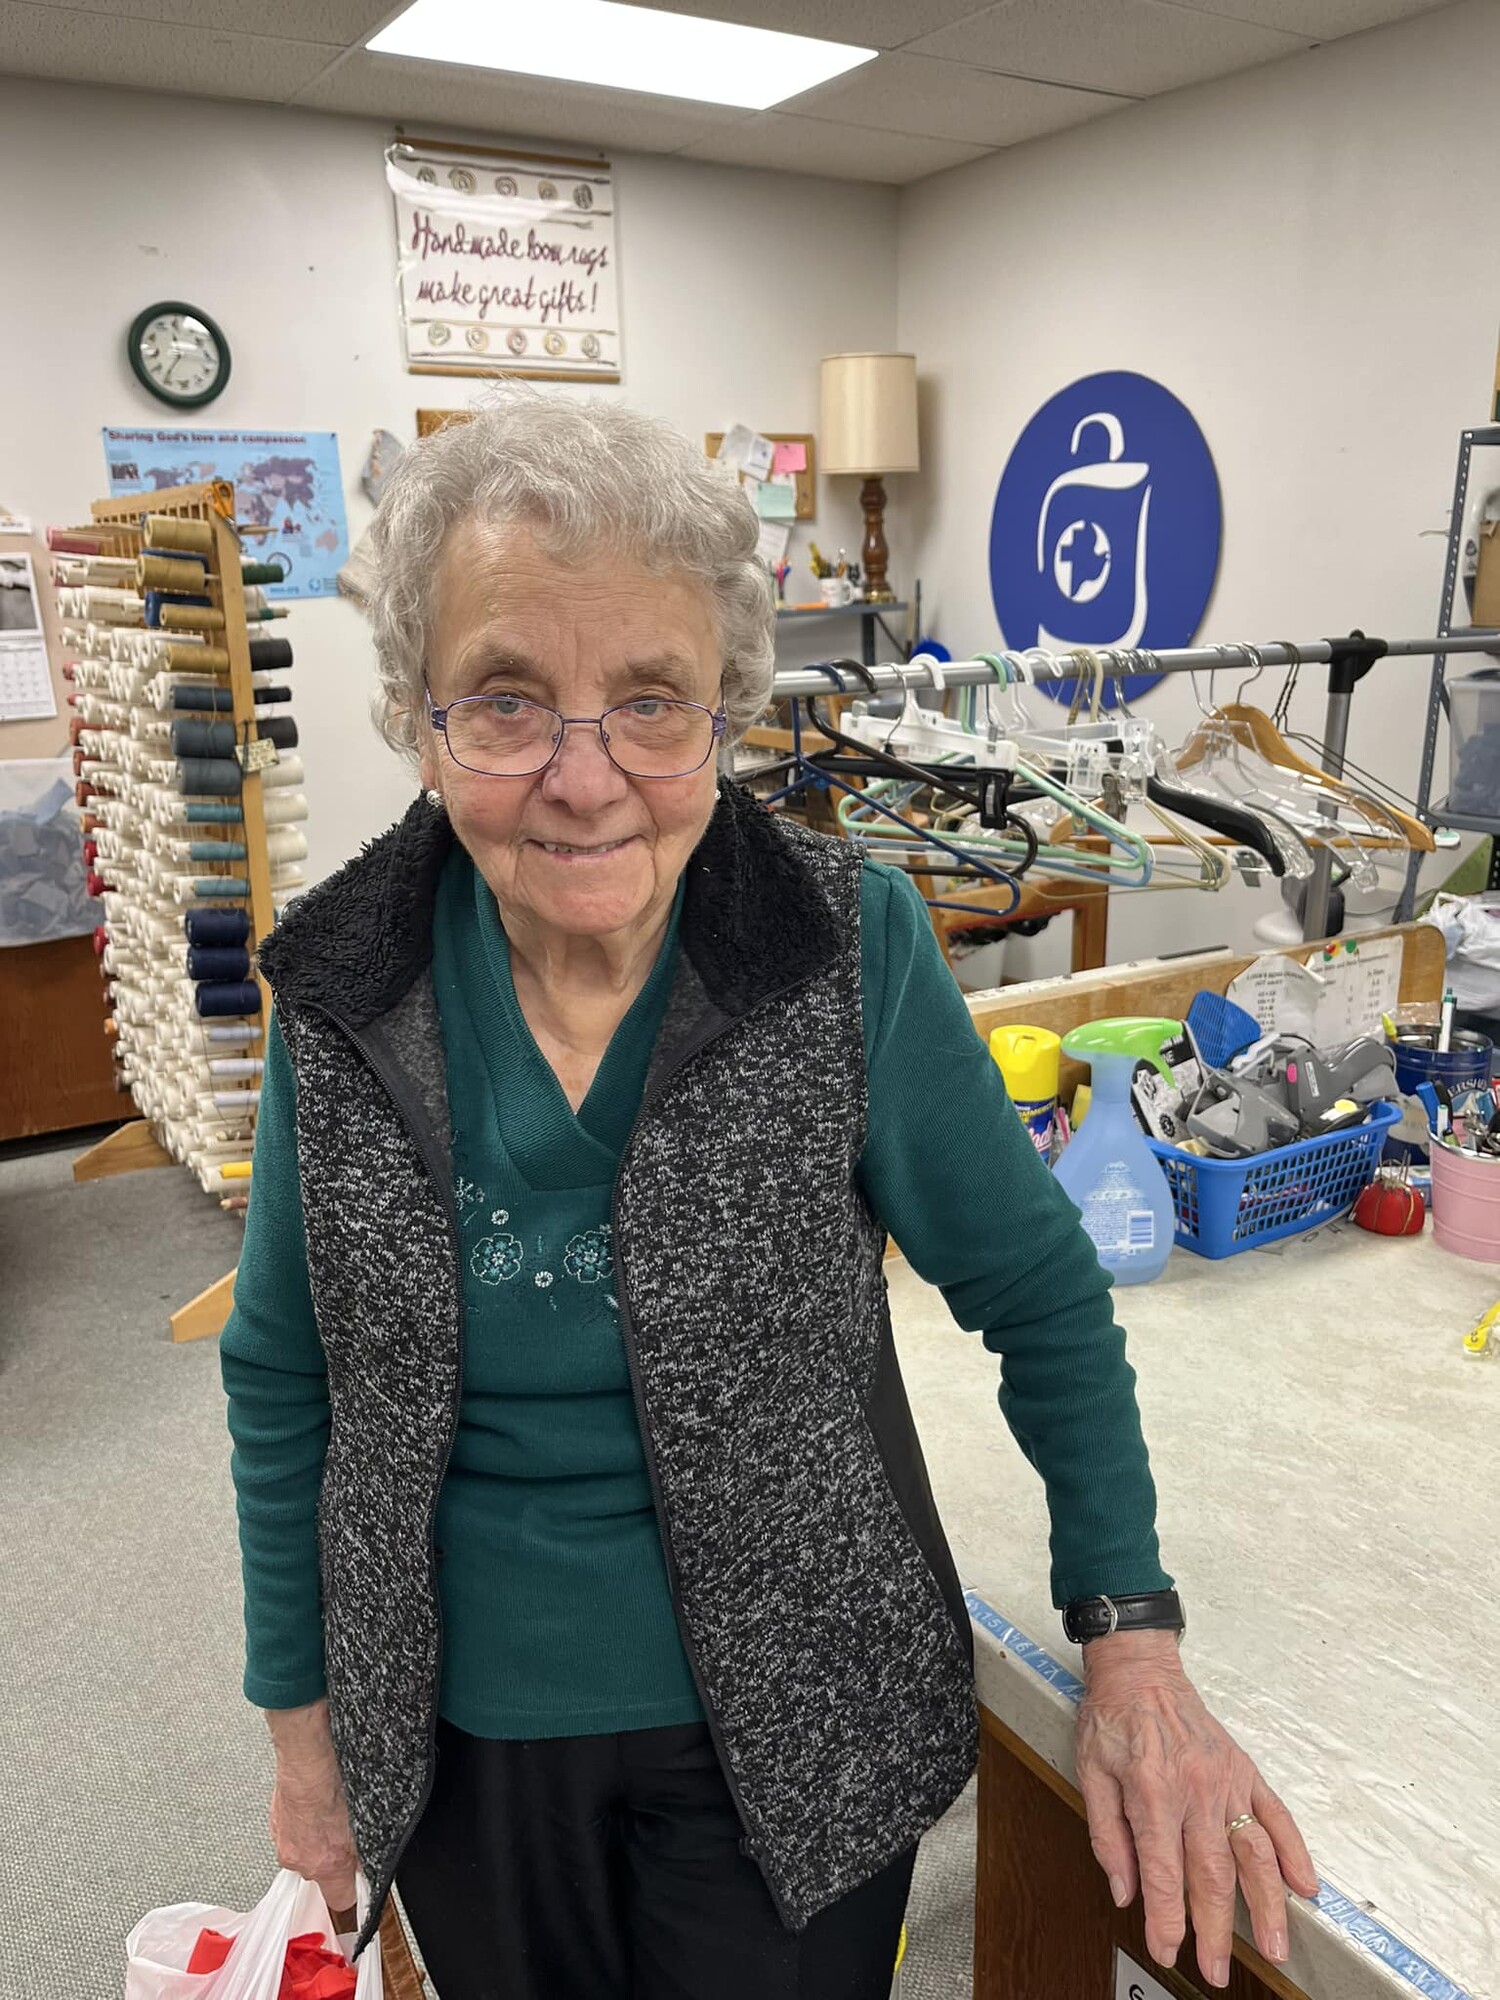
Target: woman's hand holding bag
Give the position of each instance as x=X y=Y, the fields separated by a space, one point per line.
x=309 y=1819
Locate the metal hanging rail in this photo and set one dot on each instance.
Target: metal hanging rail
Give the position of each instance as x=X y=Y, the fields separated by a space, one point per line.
x=1348 y=660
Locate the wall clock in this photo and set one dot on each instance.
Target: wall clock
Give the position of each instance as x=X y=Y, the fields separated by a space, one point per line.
x=178 y=354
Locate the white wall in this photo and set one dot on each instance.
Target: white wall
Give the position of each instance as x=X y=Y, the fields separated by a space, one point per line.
x=1308 y=255
x=734 y=284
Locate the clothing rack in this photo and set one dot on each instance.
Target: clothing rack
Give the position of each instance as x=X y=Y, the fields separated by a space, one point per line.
x=1348 y=660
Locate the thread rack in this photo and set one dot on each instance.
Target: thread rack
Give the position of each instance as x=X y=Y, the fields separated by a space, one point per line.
x=191 y=792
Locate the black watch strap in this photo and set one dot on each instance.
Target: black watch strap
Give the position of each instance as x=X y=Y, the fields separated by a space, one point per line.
x=1096 y=1617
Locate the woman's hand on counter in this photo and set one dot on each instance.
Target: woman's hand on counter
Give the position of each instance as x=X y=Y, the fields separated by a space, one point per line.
x=1163 y=1782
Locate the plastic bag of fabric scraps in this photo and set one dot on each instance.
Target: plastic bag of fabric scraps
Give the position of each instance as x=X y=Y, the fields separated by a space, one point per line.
x=283 y=1949
x=43 y=891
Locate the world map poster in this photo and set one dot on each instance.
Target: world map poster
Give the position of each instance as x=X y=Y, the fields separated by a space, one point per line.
x=286 y=481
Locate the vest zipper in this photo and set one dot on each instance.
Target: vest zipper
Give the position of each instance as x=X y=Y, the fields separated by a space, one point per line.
x=413 y=1116
x=648 y=1452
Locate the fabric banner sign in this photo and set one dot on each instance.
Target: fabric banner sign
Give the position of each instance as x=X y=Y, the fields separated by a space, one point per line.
x=506 y=267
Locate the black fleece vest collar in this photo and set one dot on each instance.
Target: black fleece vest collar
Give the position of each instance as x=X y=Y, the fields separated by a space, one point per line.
x=754 y=919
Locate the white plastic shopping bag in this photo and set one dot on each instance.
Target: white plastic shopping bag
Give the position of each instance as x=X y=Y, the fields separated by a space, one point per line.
x=158 y=1949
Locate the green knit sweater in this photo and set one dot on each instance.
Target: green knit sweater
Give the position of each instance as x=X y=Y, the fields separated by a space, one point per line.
x=556 y=1613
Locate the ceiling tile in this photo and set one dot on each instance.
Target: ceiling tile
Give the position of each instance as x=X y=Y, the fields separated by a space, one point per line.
x=846 y=152
x=1135 y=47
x=66 y=43
x=1319 y=19
x=945 y=100
x=870 y=24
x=338 y=22
x=416 y=92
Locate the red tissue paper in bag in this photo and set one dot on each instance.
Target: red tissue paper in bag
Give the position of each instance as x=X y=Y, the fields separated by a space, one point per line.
x=313 y=1972
x=210 y=1952
x=310 y=1972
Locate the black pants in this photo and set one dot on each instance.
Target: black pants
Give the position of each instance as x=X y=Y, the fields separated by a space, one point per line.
x=609 y=1868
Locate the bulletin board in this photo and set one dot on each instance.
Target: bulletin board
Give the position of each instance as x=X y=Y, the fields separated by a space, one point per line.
x=807 y=479
x=43 y=736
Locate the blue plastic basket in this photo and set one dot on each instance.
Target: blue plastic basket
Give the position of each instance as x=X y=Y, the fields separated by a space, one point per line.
x=1225 y=1206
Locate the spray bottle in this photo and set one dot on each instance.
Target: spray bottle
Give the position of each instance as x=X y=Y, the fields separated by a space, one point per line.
x=1108 y=1168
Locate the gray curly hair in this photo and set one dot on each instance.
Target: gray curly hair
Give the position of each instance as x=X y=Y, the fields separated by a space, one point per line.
x=581 y=474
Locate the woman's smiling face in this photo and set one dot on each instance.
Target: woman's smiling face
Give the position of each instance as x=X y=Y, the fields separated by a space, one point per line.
x=578 y=848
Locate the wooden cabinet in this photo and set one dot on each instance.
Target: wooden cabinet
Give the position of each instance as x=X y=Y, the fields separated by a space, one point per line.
x=56 y=1070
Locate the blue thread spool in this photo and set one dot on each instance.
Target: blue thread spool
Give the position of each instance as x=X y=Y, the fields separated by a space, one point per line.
x=217 y=927
x=216 y=777
x=237 y=997
x=192 y=738
x=215 y=962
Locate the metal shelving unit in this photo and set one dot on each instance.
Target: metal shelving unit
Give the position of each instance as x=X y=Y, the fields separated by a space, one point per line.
x=1439 y=814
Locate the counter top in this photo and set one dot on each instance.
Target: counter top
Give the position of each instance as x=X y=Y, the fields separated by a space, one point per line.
x=1326 y=1456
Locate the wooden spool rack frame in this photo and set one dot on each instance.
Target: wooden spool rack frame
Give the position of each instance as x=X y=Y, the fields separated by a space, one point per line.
x=135 y=1145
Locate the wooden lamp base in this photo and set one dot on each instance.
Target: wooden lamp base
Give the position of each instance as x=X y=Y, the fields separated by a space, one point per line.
x=874 y=554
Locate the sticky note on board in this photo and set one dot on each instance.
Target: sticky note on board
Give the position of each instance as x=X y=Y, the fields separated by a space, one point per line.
x=776 y=500
x=790 y=458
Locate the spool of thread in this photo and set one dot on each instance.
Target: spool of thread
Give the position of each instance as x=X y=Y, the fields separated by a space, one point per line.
x=221 y=928
x=235 y=997
x=235 y=1170
x=208 y=961
x=262 y=572
x=270 y=656
x=175 y=573
x=197 y=777
x=220 y=700
x=241 y=1036
x=212 y=815
x=183 y=614
x=74 y=542
x=179 y=531
x=191 y=738
x=236 y=1066
x=282 y=808
x=284 y=843
x=190 y=659
x=220 y=850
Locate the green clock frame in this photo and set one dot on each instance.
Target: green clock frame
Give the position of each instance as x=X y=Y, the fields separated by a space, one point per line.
x=133 y=349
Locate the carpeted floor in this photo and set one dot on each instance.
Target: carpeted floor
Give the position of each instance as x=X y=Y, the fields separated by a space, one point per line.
x=134 y=1773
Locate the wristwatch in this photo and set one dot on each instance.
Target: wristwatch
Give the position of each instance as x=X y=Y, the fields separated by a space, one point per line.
x=1088 y=1618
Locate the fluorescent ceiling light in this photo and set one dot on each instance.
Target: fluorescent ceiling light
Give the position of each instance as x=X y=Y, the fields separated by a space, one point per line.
x=620 y=47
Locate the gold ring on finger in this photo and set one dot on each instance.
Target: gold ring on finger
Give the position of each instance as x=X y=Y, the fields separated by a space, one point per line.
x=1244 y=1820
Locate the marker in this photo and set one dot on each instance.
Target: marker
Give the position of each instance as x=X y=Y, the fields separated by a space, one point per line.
x=1445 y=1033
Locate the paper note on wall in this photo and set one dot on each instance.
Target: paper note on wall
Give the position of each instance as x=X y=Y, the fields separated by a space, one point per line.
x=1279 y=993
x=790 y=458
x=25 y=682
x=771 y=543
x=1361 y=981
x=776 y=499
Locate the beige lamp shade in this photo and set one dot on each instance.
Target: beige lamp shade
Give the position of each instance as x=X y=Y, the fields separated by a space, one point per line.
x=869 y=414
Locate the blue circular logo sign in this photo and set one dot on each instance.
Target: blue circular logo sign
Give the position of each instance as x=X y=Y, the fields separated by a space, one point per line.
x=1107 y=525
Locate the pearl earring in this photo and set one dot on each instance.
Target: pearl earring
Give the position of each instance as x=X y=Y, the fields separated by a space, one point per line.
x=434 y=796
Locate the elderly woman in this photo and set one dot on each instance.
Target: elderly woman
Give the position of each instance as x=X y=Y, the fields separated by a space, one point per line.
x=594 y=1588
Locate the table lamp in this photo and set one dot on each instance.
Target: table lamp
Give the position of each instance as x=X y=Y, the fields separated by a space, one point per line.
x=869 y=427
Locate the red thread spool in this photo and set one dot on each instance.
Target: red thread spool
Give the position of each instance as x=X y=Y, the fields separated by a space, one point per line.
x=77 y=763
x=82 y=793
x=90 y=852
x=69 y=542
x=96 y=883
x=101 y=939
x=75 y=729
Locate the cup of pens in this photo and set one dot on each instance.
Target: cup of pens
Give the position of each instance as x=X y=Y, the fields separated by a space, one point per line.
x=836 y=590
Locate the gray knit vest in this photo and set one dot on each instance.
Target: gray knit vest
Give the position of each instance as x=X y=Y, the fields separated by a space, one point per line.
x=813 y=1587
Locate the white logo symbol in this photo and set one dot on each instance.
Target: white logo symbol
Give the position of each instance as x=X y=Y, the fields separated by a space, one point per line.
x=1080 y=553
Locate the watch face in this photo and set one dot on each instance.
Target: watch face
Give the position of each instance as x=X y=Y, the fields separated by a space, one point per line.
x=179 y=354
